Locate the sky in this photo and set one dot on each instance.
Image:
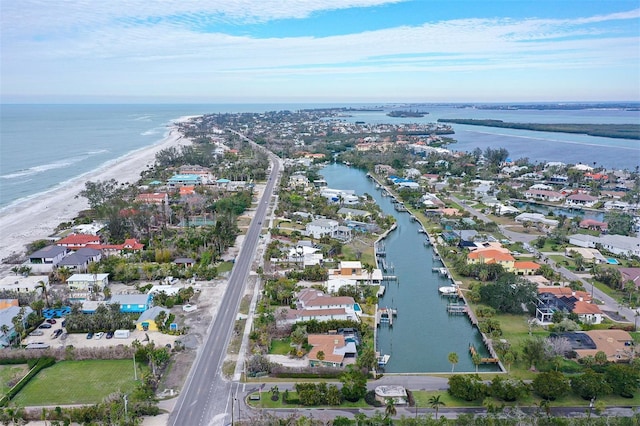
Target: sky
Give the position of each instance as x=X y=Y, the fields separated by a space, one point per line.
x=259 y=51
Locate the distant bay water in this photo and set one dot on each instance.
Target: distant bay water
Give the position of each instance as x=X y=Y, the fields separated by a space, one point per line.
x=44 y=146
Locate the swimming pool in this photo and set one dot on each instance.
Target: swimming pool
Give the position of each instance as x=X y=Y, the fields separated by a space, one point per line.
x=612 y=261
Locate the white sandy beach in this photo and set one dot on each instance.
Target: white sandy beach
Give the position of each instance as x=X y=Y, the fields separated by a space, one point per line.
x=37 y=218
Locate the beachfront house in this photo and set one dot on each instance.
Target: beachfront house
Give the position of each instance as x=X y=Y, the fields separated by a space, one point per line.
x=77 y=241
x=46 y=258
x=80 y=259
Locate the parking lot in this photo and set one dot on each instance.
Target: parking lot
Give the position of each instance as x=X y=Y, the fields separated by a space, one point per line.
x=79 y=340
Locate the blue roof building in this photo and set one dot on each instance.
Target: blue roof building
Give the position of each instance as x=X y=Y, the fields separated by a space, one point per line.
x=136 y=303
x=177 y=181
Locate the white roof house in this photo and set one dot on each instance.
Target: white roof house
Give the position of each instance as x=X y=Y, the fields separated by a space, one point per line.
x=616 y=244
x=22 y=284
x=397 y=393
x=536 y=218
x=321 y=227
x=87 y=282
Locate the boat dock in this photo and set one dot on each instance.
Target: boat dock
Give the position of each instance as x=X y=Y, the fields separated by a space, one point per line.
x=442 y=271
x=474 y=352
x=382 y=359
x=385 y=316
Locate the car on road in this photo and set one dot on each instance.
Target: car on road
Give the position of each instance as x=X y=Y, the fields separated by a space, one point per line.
x=89 y=335
x=45 y=325
x=51 y=321
x=99 y=335
x=109 y=335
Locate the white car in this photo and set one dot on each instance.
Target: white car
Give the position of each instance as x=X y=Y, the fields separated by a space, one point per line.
x=99 y=335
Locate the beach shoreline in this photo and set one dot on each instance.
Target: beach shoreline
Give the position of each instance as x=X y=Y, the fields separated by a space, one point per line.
x=36 y=218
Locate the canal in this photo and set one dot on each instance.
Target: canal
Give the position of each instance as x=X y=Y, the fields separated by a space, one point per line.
x=423 y=333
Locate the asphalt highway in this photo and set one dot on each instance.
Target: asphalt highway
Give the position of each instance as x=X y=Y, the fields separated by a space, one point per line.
x=207 y=398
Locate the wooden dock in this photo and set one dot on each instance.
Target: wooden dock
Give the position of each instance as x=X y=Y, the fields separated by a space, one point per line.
x=385 y=316
x=474 y=352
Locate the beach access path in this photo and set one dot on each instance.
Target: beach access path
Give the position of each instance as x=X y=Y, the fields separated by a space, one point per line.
x=38 y=217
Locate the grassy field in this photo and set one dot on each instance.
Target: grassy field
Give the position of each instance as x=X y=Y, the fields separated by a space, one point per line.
x=78 y=382
x=10 y=375
x=280 y=346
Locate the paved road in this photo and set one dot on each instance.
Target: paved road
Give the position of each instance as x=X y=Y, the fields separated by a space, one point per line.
x=206 y=398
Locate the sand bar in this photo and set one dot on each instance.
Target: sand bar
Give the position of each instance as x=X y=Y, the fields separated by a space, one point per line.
x=37 y=218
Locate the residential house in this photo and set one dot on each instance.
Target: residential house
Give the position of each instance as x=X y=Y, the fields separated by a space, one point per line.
x=581 y=200
x=77 y=241
x=176 y=181
x=6 y=319
x=331 y=350
x=383 y=169
x=80 y=259
x=314 y=304
x=47 y=257
x=593 y=224
x=630 y=274
x=24 y=284
x=353 y=270
x=319 y=228
x=147 y=320
x=618 y=345
x=536 y=218
x=589 y=255
x=395 y=393
x=543 y=195
x=525 y=268
x=205 y=174
x=155 y=198
x=344 y=197
x=616 y=244
x=185 y=262
x=564 y=299
x=129 y=245
x=88 y=282
x=491 y=256
x=299 y=180
x=132 y=303
x=353 y=213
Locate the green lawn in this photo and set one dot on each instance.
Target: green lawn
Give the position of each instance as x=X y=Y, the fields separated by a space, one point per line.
x=78 y=382
x=224 y=267
x=10 y=375
x=280 y=346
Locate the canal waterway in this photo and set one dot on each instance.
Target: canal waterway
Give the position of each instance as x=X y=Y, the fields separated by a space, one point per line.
x=423 y=333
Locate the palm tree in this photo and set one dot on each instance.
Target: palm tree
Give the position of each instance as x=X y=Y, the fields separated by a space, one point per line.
x=436 y=403
x=390 y=408
x=43 y=286
x=477 y=360
x=453 y=359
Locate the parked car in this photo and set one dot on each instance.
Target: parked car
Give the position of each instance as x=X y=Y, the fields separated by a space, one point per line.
x=99 y=335
x=89 y=335
x=109 y=335
x=64 y=322
x=45 y=325
x=64 y=336
x=51 y=321
x=36 y=333
x=57 y=333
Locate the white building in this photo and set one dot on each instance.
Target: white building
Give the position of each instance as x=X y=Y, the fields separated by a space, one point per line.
x=536 y=218
x=322 y=227
x=88 y=282
x=22 y=284
x=616 y=244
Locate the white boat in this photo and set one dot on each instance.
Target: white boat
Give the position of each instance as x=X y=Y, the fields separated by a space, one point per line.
x=446 y=290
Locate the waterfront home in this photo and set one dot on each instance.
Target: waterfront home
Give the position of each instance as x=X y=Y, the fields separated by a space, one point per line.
x=93 y=228
x=312 y=304
x=178 y=180
x=305 y=255
x=46 y=258
x=491 y=256
x=543 y=195
x=566 y=300
x=593 y=224
x=384 y=169
x=205 y=174
x=353 y=270
x=319 y=228
x=341 y=196
x=331 y=350
x=88 y=282
x=621 y=206
x=353 y=213
x=24 y=284
x=6 y=321
x=77 y=241
x=581 y=200
x=616 y=244
x=536 y=218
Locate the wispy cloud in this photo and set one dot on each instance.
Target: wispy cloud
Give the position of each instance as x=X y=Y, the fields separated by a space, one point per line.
x=166 y=39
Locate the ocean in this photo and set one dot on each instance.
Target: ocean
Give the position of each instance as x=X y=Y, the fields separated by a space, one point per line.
x=44 y=146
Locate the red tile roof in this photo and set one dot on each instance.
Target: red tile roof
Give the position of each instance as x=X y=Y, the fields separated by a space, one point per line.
x=491 y=254
x=78 y=240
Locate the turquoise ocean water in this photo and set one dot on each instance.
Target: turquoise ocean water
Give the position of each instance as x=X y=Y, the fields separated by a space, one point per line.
x=44 y=146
